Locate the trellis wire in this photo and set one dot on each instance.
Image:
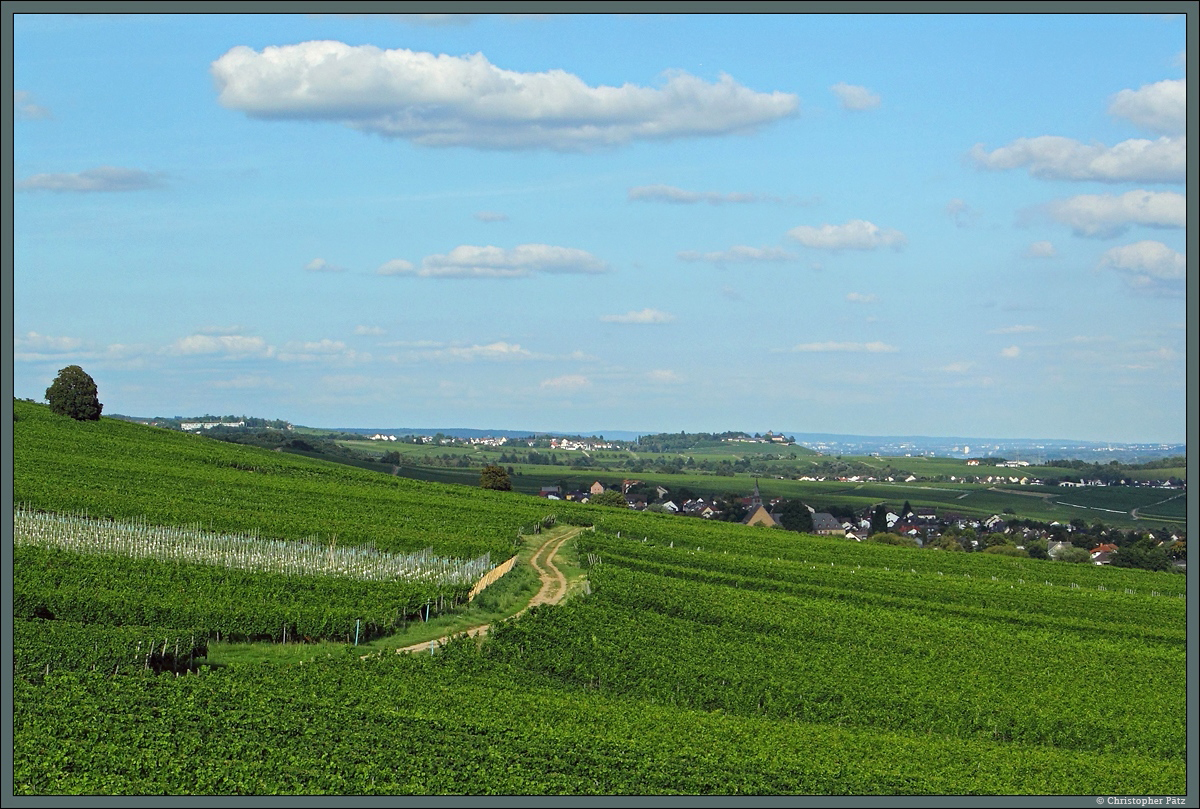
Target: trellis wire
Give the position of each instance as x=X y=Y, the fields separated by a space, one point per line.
x=138 y=539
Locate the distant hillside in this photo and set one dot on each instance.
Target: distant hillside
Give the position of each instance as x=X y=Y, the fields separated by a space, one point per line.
x=113 y=468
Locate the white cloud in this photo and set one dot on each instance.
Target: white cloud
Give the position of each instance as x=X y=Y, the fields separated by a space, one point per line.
x=491 y=216
x=679 y=196
x=869 y=348
x=664 y=376
x=738 y=253
x=321 y=265
x=25 y=109
x=957 y=367
x=441 y=100
x=1050 y=157
x=320 y=351
x=103 y=178
x=491 y=351
x=1148 y=264
x=1012 y=352
x=228 y=345
x=1108 y=215
x=1018 y=329
x=1041 y=250
x=34 y=343
x=373 y=331
x=858 y=297
x=1159 y=107
x=468 y=261
x=397 y=266
x=854 y=97
x=856 y=234
x=568 y=382
x=644 y=316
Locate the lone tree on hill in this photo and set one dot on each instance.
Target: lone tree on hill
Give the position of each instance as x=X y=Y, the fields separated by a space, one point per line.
x=73 y=393
x=494 y=477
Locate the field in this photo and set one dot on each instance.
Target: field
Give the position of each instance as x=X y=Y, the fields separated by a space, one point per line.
x=1111 y=505
x=700 y=658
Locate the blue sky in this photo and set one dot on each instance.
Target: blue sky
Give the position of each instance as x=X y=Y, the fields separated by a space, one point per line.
x=926 y=224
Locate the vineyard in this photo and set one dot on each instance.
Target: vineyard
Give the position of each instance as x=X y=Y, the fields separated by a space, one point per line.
x=701 y=658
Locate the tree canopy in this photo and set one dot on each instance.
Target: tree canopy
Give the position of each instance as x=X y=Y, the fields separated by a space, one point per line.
x=73 y=393
x=609 y=497
x=494 y=477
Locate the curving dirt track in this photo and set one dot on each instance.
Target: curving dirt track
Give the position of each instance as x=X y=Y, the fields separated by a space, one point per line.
x=553 y=588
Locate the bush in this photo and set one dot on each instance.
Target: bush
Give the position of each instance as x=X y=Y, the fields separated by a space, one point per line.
x=1074 y=555
x=1006 y=550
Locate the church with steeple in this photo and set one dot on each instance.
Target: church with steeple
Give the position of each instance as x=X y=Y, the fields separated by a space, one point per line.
x=757 y=513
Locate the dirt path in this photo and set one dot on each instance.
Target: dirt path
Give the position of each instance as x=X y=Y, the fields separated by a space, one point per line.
x=552 y=590
x=1136 y=516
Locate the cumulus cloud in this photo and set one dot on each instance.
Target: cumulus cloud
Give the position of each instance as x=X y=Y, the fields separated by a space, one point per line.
x=1108 y=215
x=1012 y=352
x=858 y=297
x=738 y=253
x=25 y=109
x=1041 y=250
x=1149 y=265
x=679 y=196
x=869 y=348
x=854 y=97
x=226 y=345
x=441 y=100
x=1018 y=329
x=491 y=216
x=957 y=367
x=321 y=265
x=856 y=234
x=522 y=261
x=567 y=382
x=644 y=316
x=664 y=376
x=1159 y=107
x=104 y=178
x=373 y=331
x=1050 y=157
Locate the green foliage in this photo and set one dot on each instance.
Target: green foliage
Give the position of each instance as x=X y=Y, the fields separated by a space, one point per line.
x=795 y=516
x=887 y=538
x=1006 y=550
x=1037 y=549
x=1139 y=556
x=494 y=477
x=1074 y=555
x=73 y=393
x=43 y=646
x=609 y=497
x=129 y=471
x=879 y=519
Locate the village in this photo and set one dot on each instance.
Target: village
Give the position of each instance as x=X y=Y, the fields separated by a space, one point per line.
x=919 y=527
